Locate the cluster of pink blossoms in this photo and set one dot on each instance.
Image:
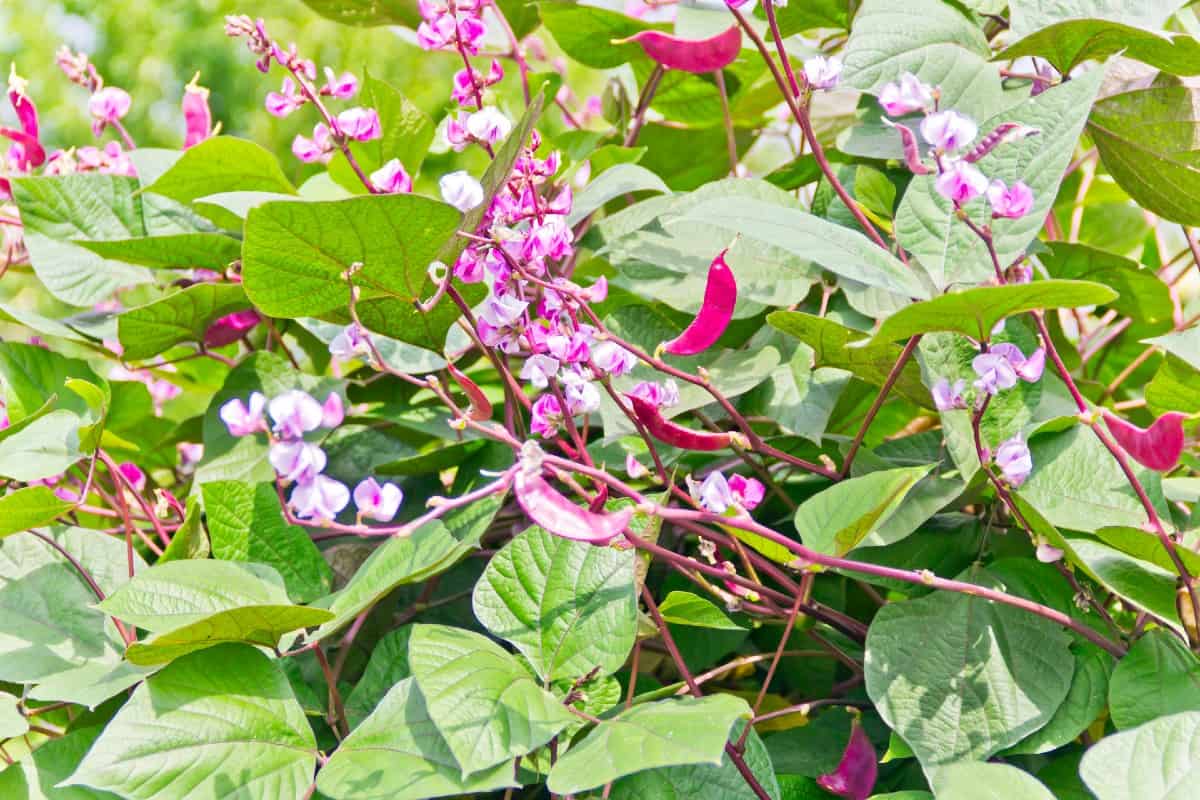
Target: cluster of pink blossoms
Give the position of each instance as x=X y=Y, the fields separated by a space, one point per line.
x=299 y=462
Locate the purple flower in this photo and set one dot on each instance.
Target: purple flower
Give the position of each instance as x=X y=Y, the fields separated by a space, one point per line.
x=295 y=413
x=995 y=372
x=285 y=101
x=613 y=359
x=351 y=342
x=377 y=502
x=319 y=148
x=1048 y=553
x=343 y=86
x=961 y=183
x=715 y=494
x=948 y=130
x=1014 y=460
x=501 y=312
x=461 y=190
x=905 y=96
x=488 y=125
x=360 y=124
x=1009 y=202
x=321 y=498
x=108 y=105
x=333 y=411
x=132 y=473
x=546 y=416
x=661 y=394
x=748 y=492
x=243 y=420
x=296 y=460
x=392 y=179
x=947 y=397
x=538 y=370
x=822 y=72
x=1027 y=369
x=581 y=394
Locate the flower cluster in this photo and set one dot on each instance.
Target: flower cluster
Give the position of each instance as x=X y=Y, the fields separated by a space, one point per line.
x=300 y=463
x=453 y=25
x=948 y=134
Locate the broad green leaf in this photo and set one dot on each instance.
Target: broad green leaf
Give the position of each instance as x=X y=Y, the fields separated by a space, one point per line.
x=1069 y=43
x=484 y=702
x=221 y=723
x=807 y=16
x=1147 y=141
x=837 y=346
x=974 y=312
x=585 y=33
x=933 y=40
x=1156 y=761
x=1183 y=344
x=801 y=399
x=397 y=753
x=842 y=251
x=368 y=12
x=91 y=683
x=407 y=134
x=685 y=608
x=1157 y=677
x=190 y=540
x=568 y=606
x=837 y=519
x=386 y=668
x=1141 y=294
x=12 y=721
x=296 y=256
x=168 y=596
x=987 y=782
x=647 y=736
x=48 y=620
x=38 y=775
x=184 y=316
x=1084 y=703
x=1175 y=387
x=30 y=507
x=1145 y=546
x=1032 y=15
x=181 y=250
x=1147 y=585
x=1077 y=484
x=992 y=675
x=221 y=164
x=426 y=551
x=245 y=523
x=926 y=223
x=257 y=625
x=33 y=375
x=615 y=181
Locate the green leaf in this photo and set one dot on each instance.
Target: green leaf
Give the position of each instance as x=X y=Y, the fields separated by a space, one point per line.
x=181 y=250
x=847 y=253
x=585 y=33
x=12 y=721
x=1077 y=484
x=30 y=507
x=1069 y=43
x=426 y=551
x=685 y=608
x=837 y=346
x=220 y=723
x=647 y=736
x=1085 y=702
x=190 y=540
x=168 y=596
x=1156 y=761
x=990 y=676
x=245 y=523
x=988 y=782
x=801 y=399
x=1145 y=546
x=1183 y=344
x=802 y=17
x=926 y=223
x=368 y=12
x=1146 y=140
x=180 y=317
x=484 y=702
x=257 y=625
x=397 y=753
x=1157 y=677
x=1031 y=15
x=615 y=181
x=1147 y=585
x=387 y=666
x=407 y=134
x=568 y=606
x=1142 y=295
x=837 y=519
x=37 y=776
x=974 y=312
x=90 y=684
x=33 y=375
x=1175 y=387
x=296 y=256
x=221 y=164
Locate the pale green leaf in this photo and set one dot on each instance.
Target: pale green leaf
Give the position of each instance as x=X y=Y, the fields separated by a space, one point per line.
x=685 y=608
x=261 y=625
x=987 y=782
x=837 y=519
x=1156 y=761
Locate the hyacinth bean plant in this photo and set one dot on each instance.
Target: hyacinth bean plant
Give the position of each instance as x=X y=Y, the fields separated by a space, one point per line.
x=705 y=400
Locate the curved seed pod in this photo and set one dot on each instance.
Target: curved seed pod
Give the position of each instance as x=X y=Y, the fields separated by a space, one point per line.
x=481 y=407
x=720 y=297
x=1003 y=133
x=675 y=434
x=912 y=151
x=1157 y=447
x=855 y=776
x=690 y=55
x=547 y=507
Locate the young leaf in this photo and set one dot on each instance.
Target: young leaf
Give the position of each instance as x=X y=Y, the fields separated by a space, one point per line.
x=568 y=606
x=1143 y=295
x=221 y=164
x=685 y=608
x=213 y=251
x=835 y=520
x=30 y=507
x=1071 y=42
x=260 y=625
x=988 y=782
x=386 y=668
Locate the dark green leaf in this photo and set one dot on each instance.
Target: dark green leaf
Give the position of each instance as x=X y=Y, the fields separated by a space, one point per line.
x=1159 y=676
x=184 y=316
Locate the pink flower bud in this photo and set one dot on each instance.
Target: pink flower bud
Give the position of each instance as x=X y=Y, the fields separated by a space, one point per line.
x=961 y=183
x=343 y=86
x=1009 y=202
x=822 y=72
x=1014 y=460
x=132 y=474
x=856 y=773
x=108 y=105
x=488 y=125
x=377 y=502
x=634 y=468
x=231 y=327
x=285 y=101
x=197 y=117
x=460 y=190
x=546 y=416
x=360 y=124
x=947 y=397
x=1048 y=554
x=748 y=492
x=391 y=178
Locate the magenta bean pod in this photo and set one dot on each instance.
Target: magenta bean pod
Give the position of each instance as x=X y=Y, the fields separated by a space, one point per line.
x=690 y=55
x=720 y=297
x=1157 y=447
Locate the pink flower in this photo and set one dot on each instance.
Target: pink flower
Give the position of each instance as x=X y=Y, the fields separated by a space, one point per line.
x=243 y=420
x=748 y=492
x=460 y=190
x=634 y=468
x=133 y=474
x=905 y=96
x=231 y=327
x=295 y=413
x=321 y=498
x=343 y=86
x=488 y=125
x=285 y=101
x=349 y=343
x=961 y=183
x=466 y=83
x=579 y=391
x=1014 y=460
x=360 y=124
x=197 y=116
x=538 y=370
x=108 y=105
x=546 y=416
x=391 y=178
x=296 y=460
x=948 y=130
x=319 y=148
x=660 y=394
x=947 y=397
x=377 y=502
x=613 y=359
x=715 y=494
x=333 y=411
x=1048 y=553
x=1009 y=202
x=822 y=72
